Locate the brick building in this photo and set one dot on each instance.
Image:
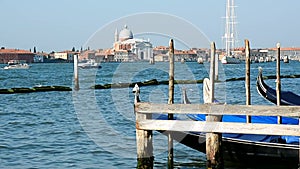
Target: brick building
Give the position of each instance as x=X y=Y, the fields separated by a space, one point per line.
x=16 y=54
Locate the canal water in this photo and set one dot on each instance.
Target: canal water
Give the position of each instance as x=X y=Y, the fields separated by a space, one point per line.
x=96 y=128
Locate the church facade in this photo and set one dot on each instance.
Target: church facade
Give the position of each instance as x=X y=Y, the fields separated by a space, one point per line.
x=129 y=49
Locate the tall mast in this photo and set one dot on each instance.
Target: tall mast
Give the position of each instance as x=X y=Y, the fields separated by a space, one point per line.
x=230 y=32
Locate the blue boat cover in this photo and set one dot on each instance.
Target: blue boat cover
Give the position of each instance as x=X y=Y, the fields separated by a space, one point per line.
x=255 y=119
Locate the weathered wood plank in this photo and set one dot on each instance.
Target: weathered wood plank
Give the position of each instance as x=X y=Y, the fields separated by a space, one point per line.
x=214 y=109
x=219 y=127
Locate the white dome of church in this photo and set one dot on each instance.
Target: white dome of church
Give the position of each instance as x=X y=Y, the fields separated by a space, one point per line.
x=128 y=49
x=125 y=34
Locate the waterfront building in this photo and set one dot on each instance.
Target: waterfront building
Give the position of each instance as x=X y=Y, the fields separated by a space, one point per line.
x=86 y=55
x=161 y=54
x=202 y=53
x=161 y=58
x=186 y=55
x=104 y=55
x=15 y=54
x=293 y=53
x=39 y=57
x=65 y=55
x=128 y=49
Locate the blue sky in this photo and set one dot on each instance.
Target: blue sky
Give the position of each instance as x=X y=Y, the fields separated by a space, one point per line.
x=55 y=25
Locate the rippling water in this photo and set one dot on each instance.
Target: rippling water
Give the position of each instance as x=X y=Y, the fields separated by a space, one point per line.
x=96 y=128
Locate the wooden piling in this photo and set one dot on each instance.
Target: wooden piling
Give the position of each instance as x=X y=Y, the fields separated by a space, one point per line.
x=248 y=92
x=213 y=140
x=76 y=78
x=212 y=72
x=278 y=83
x=171 y=101
x=144 y=139
x=217 y=68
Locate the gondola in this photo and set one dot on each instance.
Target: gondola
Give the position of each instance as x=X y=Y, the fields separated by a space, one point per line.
x=245 y=147
x=286 y=98
x=239 y=148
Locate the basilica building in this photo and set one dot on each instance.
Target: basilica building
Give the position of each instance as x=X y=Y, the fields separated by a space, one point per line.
x=129 y=49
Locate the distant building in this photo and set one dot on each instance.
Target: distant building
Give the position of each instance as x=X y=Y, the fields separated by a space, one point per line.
x=161 y=54
x=292 y=52
x=127 y=48
x=160 y=50
x=86 y=55
x=39 y=57
x=16 y=54
x=106 y=55
x=161 y=58
x=65 y=55
x=202 y=53
x=187 y=55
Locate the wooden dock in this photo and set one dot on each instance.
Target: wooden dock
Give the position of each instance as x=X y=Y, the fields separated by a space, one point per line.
x=213 y=127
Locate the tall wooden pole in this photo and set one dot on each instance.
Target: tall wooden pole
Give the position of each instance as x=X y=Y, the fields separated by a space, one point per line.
x=213 y=140
x=248 y=93
x=171 y=101
x=144 y=145
x=212 y=71
x=217 y=68
x=76 y=79
x=278 y=83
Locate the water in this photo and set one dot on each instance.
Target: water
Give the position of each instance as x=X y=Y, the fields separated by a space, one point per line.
x=96 y=128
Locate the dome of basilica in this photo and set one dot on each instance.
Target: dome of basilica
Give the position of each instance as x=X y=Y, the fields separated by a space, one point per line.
x=125 y=34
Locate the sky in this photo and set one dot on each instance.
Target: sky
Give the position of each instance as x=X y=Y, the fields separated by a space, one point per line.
x=57 y=25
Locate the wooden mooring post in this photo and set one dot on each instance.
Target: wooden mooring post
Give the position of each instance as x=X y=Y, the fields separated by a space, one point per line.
x=247 y=77
x=144 y=143
x=171 y=101
x=214 y=154
x=76 y=78
x=278 y=83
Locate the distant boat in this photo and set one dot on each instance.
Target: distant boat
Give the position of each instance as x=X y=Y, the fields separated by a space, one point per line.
x=89 y=64
x=256 y=59
x=230 y=60
x=182 y=60
x=151 y=61
x=16 y=64
x=286 y=59
x=230 y=35
x=261 y=59
x=200 y=60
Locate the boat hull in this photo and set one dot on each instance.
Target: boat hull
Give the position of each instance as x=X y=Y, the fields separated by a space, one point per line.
x=17 y=67
x=287 y=97
x=230 y=60
x=242 y=151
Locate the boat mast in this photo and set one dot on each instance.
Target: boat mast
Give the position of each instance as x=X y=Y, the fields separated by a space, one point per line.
x=230 y=32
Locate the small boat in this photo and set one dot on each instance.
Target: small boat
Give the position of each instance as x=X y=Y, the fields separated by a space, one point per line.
x=16 y=64
x=286 y=59
x=89 y=64
x=182 y=60
x=230 y=60
x=200 y=60
x=287 y=97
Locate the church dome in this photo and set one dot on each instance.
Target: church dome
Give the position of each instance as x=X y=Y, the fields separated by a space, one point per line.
x=125 y=34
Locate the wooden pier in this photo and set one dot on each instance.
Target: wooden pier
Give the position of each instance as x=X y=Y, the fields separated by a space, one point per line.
x=213 y=126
